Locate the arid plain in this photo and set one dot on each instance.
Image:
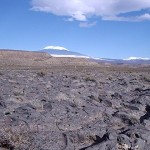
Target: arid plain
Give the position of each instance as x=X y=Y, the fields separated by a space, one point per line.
x=49 y=103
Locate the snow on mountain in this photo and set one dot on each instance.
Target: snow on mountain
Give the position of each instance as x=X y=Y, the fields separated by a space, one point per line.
x=55 y=48
x=137 y=58
x=104 y=59
x=129 y=61
x=57 y=51
x=75 y=56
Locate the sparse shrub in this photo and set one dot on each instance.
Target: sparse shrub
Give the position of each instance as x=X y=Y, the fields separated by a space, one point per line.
x=1 y=73
x=74 y=77
x=110 y=78
x=91 y=97
x=5 y=143
x=18 y=92
x=90 y=79
x=146 y=79
x=19 y=138
x=134 y=120
x=42 y=73
x=97 y=99
x=38 y=59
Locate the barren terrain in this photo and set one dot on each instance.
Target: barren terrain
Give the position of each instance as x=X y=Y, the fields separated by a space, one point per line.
x=51 y=103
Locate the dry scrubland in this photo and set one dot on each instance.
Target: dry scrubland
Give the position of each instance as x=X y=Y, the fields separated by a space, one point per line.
x=37 y=60
x=72 y=104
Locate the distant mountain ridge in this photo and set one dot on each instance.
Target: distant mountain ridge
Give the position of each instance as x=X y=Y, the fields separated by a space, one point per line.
x=62 y=52
x=137 y=58
x=135 y=61
x=57 y=51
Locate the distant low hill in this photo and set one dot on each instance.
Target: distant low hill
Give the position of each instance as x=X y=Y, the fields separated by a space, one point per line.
x=20 y=58
x=22 y=54
x=42 y=59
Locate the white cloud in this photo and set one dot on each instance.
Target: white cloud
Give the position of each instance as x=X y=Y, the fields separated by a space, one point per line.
x=139 y=18
x=82 y=10
x=146 y=16
x=56 y=47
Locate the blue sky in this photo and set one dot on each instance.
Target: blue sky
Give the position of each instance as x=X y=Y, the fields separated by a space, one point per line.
x=98 y=28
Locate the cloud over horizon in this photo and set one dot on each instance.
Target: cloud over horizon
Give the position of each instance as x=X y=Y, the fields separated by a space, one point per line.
x=83 y=10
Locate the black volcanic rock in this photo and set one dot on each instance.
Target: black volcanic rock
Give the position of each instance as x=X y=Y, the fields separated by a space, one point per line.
x=81 y=108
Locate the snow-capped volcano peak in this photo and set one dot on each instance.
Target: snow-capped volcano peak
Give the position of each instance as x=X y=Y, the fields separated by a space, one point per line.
x=55 y=48
x=58 y=51
x=137 y=58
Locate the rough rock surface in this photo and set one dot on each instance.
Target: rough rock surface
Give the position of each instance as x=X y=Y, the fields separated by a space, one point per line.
x=74 y=109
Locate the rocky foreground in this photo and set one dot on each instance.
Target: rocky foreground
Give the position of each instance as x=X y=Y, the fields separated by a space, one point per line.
x=74 y=109
x=49 y=103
